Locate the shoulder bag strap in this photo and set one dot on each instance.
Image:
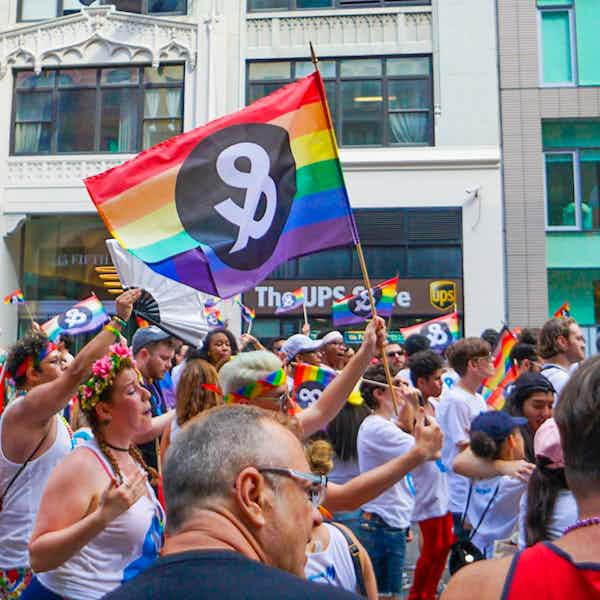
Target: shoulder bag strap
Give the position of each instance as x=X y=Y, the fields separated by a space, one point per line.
x=355 y=555
x=474 y=531
x=22 y=468
x=464 y=515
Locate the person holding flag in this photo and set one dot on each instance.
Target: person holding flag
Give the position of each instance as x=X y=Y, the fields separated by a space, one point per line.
x=33 y=437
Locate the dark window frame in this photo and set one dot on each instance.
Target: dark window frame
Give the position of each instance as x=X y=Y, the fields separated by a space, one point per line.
x=384 y=78
x=59 y=12
x=292 y=5
x=140 y=86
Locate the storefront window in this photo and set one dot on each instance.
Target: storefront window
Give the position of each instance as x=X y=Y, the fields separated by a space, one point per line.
x=560 y=190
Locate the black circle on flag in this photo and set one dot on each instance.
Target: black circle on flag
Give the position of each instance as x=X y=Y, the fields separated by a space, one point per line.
x=75 y=317
x=439 y=335
x=308 y=393
x=360 y=305
x=234 y=192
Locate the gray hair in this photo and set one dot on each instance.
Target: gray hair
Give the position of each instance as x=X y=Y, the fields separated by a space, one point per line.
x=207 y=455
x=245 y=368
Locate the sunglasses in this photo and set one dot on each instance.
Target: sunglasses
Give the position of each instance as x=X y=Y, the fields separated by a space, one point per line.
x=395 y=353
x=318 y=483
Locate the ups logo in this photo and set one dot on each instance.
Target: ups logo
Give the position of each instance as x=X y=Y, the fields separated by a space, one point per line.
x=442 y=294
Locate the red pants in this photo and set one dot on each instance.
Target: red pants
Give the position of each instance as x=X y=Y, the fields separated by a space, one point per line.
x=437 y=538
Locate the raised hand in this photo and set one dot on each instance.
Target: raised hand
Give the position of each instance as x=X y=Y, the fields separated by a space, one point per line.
x=118 y=498
x=428 y=435
x=125 y=301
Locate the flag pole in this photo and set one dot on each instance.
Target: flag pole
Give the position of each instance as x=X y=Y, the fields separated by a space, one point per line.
x=305 y=314
x=357 y=244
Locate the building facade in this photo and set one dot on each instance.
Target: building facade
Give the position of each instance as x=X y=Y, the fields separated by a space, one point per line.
x=413 y=91
x=550 y=97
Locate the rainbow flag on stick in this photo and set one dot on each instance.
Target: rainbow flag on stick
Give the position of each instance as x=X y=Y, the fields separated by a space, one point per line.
x=309 y=383
x=15 y=297
x=563 y=311
x=248 y=314
x=496 y=398
x=442 y=332
x=291 y=301
x=84 y=317
x=355 y=309
x=219 y=207
x=502 y=366
x=213 y=316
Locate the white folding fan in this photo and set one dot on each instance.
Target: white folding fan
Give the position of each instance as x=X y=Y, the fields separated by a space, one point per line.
x=174 y=307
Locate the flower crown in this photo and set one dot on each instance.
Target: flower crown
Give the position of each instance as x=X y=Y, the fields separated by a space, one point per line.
x=104 y=372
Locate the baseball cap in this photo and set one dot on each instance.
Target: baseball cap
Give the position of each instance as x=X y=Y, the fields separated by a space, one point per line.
x=332 y=336
x=300 y=343
x=146 y=336
x=496 y=423
x=546 y=443
x=526 y=384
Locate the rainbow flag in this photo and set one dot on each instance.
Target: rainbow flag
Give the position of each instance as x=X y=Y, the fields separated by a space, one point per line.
x=563 y=311
x=309 y=383
x=15 y=297
x=213 y=316
x=190 y=211
x=502 y=363
x=84 y=317
x=496 y=398
x=442 y=331
x=248 y=314
x=290 y=301
x=355 y=309
x=141 y=322
x=257 y=388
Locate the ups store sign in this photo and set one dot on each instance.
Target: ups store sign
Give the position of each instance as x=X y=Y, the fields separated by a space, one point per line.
x=413 y=297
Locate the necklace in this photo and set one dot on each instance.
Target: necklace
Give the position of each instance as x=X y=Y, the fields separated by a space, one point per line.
x=116 y=447
x=582 y=523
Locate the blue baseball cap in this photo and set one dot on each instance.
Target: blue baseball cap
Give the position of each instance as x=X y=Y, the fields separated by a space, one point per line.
x=496 y=423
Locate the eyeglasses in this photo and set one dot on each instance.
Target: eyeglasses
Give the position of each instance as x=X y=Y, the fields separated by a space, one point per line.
x=395 y=353
x=318 y=483
x=488 y=357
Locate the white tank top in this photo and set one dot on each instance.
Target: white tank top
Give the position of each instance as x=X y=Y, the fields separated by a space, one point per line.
x=21 y=503
x=129 y=545
x=333 y=565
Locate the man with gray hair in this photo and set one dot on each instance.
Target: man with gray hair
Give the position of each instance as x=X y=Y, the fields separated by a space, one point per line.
x=240 y=500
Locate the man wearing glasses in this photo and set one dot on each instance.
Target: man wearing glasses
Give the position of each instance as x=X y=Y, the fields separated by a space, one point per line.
x=241 y=500
x=396 y=356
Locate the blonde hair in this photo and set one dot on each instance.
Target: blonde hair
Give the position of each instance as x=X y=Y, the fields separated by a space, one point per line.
x=319 y=454
x=245 y=368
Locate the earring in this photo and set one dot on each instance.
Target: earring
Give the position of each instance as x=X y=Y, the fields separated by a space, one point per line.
x=105 y=422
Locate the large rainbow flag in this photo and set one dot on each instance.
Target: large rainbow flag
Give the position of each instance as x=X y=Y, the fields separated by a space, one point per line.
x=219 y=207
x=84 y=317
x=309 y=383
x=504 y=372
x=355 y=309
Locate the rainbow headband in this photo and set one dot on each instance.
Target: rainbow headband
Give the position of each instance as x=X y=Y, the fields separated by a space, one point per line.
x=33 y=360
x=256 y=389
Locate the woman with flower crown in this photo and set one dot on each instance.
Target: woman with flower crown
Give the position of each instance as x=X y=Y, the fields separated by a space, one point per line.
x=99 y=522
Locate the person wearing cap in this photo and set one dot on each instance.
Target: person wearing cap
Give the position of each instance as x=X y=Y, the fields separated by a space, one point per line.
x=153 y=350
x=332 y=350
x=532 y=397
x=548 y=507
x=301 y=349
x=495 y=435
x=569 y=566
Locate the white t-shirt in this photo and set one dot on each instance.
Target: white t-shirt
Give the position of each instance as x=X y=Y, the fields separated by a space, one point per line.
x=431 y=490
x=501 y=518
x=343 y=471
x=557 y=376
x=565 y=513
x=380 y=440
x=454 y=414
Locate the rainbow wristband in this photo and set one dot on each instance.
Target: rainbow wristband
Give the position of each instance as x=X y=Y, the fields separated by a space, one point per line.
x=120 y=321
x=114 y=331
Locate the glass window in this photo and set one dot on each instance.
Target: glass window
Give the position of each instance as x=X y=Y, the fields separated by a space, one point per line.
x=328 y=264
x=556 y=46
x=431 y=261
x=560 y=190
x=123 y=109
x=381 y=262
x=258 y=5
x=587 y=14
x=34 y=10
x=373 y=101
x=166 y=6
x=590 y=189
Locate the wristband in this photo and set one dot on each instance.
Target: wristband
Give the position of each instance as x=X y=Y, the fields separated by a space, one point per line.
x=120 y=321
x=114 y=331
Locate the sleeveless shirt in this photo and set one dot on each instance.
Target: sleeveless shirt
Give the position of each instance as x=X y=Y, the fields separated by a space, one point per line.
x=127 y=546
x=546 y=571
x=22 y=500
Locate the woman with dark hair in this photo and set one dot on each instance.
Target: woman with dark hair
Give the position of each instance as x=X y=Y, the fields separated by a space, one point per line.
x=219 y=346
x=531 y=397
x=548 y=507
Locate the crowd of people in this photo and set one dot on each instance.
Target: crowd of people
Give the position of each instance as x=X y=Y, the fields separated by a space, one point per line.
x=157 y=470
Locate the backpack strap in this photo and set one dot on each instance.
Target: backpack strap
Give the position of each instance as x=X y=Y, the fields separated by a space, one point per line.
x=474 y=531
x=355 y=555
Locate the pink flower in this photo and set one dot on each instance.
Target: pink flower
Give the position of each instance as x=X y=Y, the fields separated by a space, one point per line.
x=102 y=367
x=121 y=350
x=87 y=392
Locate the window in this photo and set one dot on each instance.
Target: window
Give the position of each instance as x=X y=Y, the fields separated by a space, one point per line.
x=375 y=101
x=116 y=109
x=264 y=5
x=572 y=160
x=35 y=10
x=569 y=42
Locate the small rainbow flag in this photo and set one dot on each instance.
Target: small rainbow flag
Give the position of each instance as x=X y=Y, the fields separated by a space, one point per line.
x=442 y=331
x=84 y=317
x=502 y=363
x=564 y=311
x=15 y=297
x=257 y=389
x=187 y=211
x=141 y=322
x=309 y=383
x=496 y=399
x=355 y=309
x=290 y=301
x=248 y=314
x=213 y=316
